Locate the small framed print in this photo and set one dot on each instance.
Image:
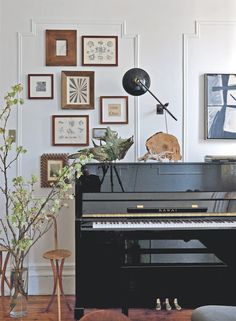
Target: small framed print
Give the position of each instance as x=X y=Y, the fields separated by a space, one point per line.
x=40 y=86
x=61 y=47
x=114 y=109
x=70 y=130
x=99 y=133
x=99 y=50
x=77 y=89
x=51 y=164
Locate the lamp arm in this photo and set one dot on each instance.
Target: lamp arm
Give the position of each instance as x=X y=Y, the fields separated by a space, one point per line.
x=163 y=106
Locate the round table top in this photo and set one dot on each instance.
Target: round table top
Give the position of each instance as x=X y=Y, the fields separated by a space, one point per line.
x=57 y=254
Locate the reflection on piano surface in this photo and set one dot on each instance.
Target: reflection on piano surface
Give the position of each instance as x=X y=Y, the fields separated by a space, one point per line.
x=153 y=230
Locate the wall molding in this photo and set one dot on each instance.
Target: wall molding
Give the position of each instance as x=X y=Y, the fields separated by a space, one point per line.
x=34 y=23
x=186 y=38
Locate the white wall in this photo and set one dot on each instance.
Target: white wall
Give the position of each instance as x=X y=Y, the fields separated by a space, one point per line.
x=175 y=41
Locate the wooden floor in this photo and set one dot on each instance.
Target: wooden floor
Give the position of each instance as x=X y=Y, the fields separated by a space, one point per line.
x=37 y=304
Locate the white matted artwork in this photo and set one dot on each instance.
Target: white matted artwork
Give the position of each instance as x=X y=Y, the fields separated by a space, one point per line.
x=99 y=50
x=70 y=130
x=77 y=89
x=40 y=86
x=114 y=109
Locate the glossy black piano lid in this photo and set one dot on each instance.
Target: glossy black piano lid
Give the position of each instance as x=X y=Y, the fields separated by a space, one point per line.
x=159 y=177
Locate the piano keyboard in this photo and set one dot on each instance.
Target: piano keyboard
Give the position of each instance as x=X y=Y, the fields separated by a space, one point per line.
x=166 y=224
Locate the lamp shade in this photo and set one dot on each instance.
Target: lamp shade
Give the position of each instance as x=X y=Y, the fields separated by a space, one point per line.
x=131 y=80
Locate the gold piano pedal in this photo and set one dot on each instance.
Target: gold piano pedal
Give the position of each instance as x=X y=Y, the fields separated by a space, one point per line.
x=158 y=304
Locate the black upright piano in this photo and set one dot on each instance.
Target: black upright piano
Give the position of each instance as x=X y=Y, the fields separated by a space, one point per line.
x=155 y=230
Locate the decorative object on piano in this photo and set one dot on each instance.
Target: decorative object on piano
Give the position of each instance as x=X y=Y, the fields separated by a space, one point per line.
x=100 y=51
x=220 y=106
x=136 y=82
x=219 y=158
x=70 y=130
x=114 y=109
x=77 y=89
x=40 y=86
x=51 y=165
x=162 y=146
x=111 y=148
x=61 y=47
x=25 y=218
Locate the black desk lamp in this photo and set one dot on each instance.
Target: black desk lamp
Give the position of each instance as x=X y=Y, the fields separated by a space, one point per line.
x=136 y=82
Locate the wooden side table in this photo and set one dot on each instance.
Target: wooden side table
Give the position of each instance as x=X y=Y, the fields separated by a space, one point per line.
x=3 y=267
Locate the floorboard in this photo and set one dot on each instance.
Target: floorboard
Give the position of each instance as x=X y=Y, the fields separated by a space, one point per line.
x=37 y=304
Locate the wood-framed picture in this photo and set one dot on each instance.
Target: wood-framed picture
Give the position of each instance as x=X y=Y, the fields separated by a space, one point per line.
x=77 y=89
x=99 y=133
x=100 y=50
x=51 y=164
x=70 y=130
x=114 y=109
x=61 y=47
x=40 y=86
x=220 y=106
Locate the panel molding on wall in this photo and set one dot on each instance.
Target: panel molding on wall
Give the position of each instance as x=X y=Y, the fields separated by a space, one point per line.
x=187 y=37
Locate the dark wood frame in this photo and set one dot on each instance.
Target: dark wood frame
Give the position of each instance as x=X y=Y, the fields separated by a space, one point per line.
x=41 y=75
x=70 y=116
x=97 y=128
x=64 y=76
x=102 y=64
x=71 y=38
x=102 y=98
x=45 y=182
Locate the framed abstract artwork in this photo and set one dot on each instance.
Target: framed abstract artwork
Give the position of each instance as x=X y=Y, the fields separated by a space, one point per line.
x=70 y=130
x=61 y=47
x=114 y=109
x=51 y=164
x=99 y=50
x=77 y=89
x=40 y=86
x=220 y=106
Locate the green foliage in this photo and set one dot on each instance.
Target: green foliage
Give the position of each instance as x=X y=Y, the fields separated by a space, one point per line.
x=28 y=218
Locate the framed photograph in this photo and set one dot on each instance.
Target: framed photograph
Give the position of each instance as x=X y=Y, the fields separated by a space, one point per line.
x=50 y=166
x=61 y=47
x=99 y=133
x=77 y=89
x=99 y=50
x=40 y=86
x=114 y=109
x=220 y=106
x=70 y=130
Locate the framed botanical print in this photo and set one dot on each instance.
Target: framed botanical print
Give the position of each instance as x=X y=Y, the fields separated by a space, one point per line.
x=114 y=109
x=61 y=47
x=220 y=106
x=99 y=50
x=40 y=86
x=51 y=164
x=77 y=89
x=70 y=130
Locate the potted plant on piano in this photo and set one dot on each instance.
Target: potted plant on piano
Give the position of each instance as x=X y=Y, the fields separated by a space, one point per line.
x=25 y=218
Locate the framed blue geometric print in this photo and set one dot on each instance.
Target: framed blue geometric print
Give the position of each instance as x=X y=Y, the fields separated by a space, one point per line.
x=220 y=106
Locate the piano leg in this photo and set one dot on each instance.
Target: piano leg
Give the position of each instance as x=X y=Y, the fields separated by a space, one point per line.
x=125 y=310
x=78 y=313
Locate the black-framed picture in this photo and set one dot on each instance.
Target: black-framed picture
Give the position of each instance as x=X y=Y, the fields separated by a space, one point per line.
x=77 y=89
x=220 y=106
x=40 y=86
x=100 y=50
x=70 y=130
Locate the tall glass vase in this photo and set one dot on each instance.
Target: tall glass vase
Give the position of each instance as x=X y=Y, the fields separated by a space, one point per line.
x=19 y=292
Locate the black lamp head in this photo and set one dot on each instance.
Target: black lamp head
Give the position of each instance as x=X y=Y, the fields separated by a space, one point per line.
x=131 y=80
